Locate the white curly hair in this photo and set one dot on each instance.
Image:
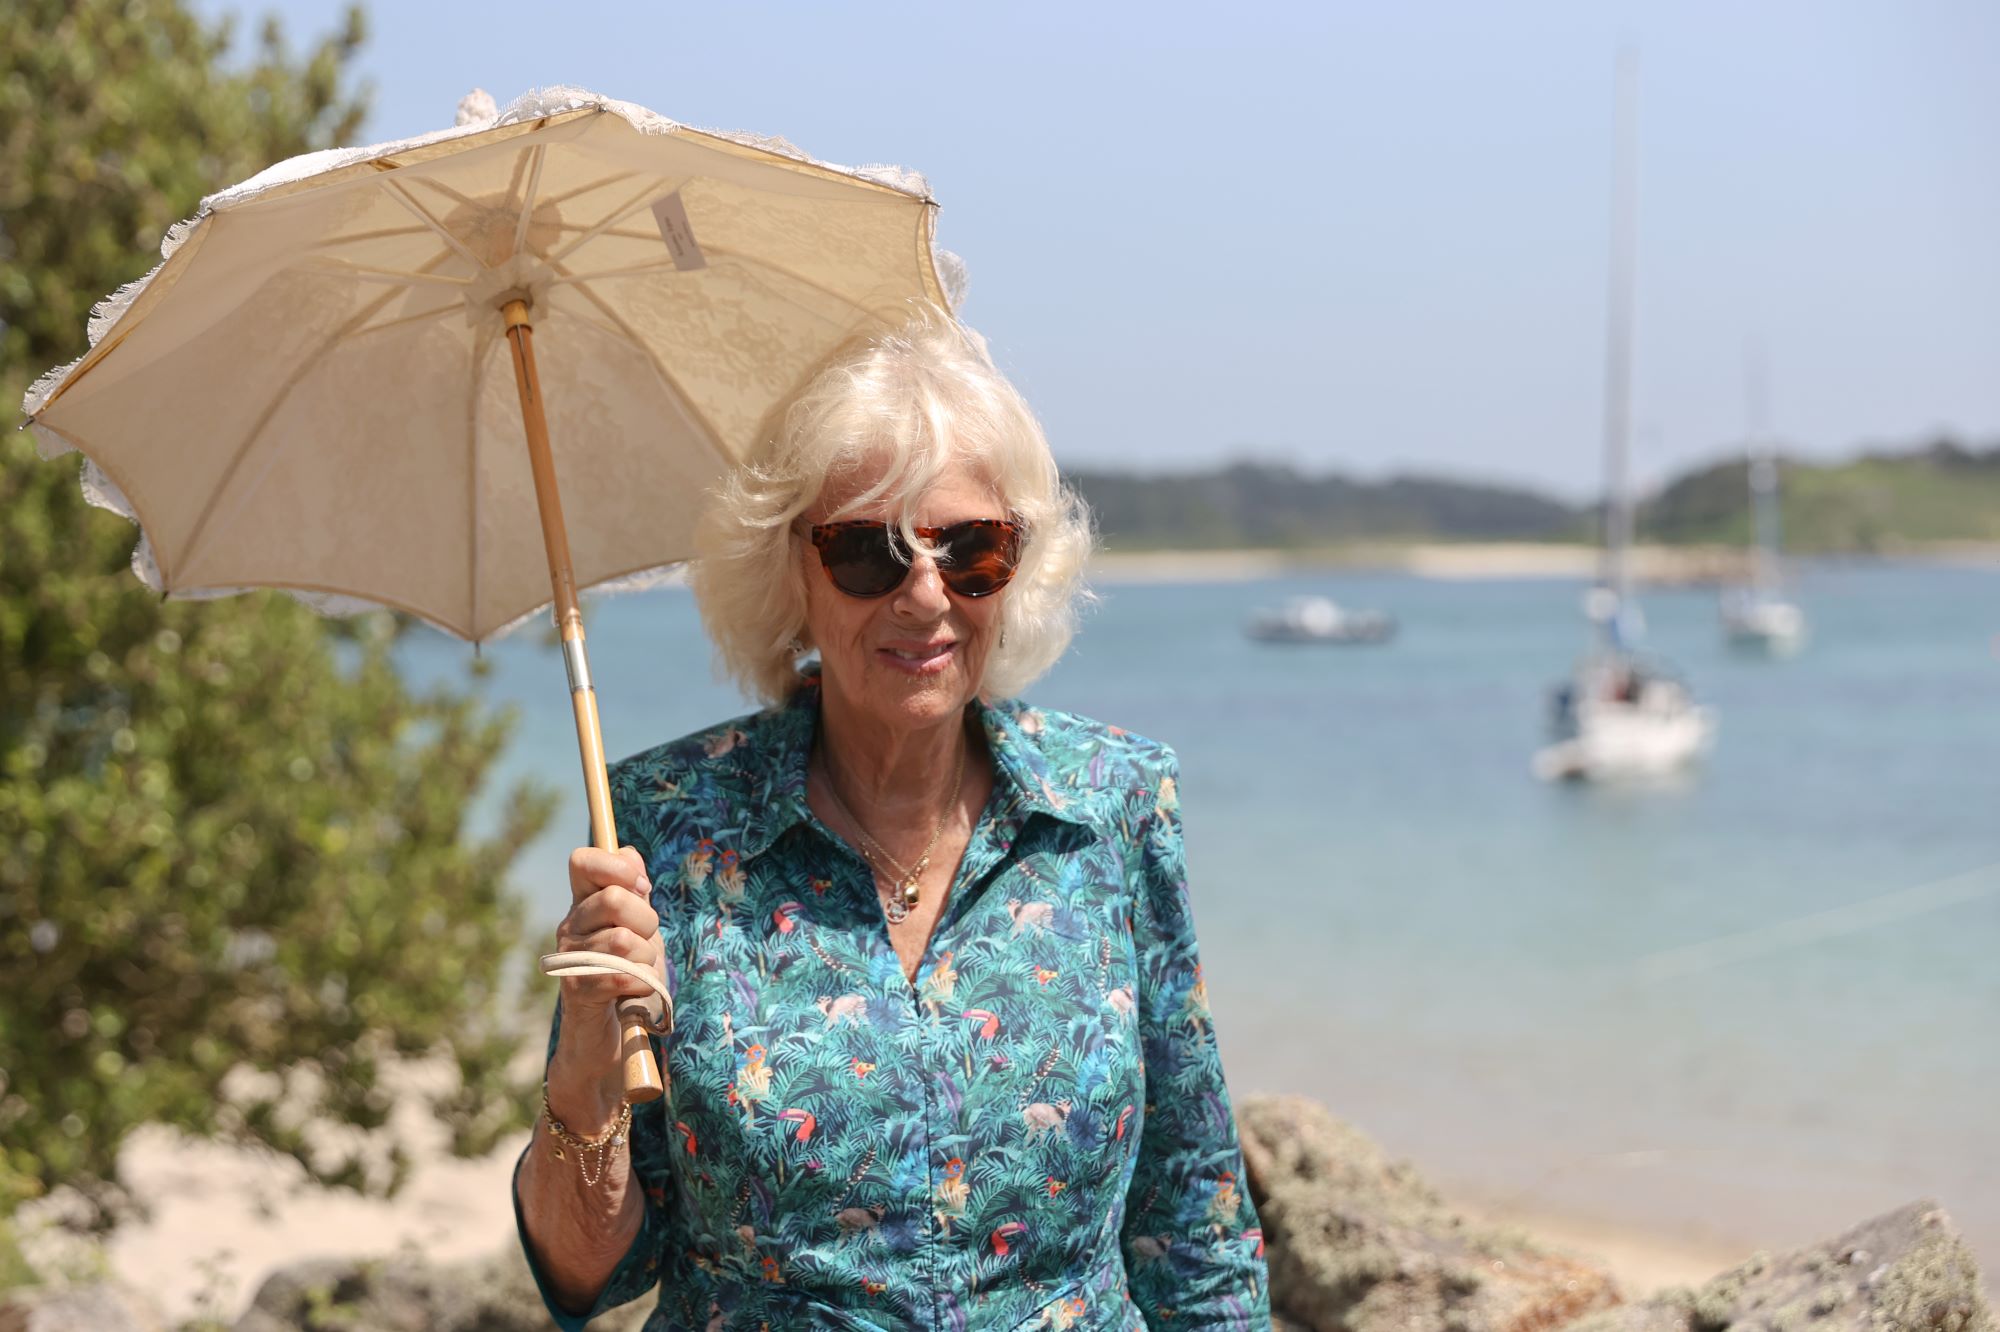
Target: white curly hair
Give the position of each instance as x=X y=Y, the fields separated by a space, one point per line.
x=911 y=401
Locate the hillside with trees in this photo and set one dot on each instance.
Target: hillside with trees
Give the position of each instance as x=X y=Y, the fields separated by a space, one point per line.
x=1880 y=501
x=1246 y=504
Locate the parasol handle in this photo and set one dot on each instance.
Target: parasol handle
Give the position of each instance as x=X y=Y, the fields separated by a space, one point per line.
x=637 y=1022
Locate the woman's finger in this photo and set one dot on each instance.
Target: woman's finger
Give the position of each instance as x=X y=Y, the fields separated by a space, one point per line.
x=606 y=989
x=614 y=939
x=591 y=869
x=608 y=907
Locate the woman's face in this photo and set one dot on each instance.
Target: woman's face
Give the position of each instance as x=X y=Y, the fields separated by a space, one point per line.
x=912 y=658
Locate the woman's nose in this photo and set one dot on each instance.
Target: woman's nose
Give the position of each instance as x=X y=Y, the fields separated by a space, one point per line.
x=923 y=591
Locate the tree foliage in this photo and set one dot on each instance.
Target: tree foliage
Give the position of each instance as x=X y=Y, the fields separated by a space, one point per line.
x=1878 y=502
x=231 y=840
x=1264 y=504
x=1881 y=501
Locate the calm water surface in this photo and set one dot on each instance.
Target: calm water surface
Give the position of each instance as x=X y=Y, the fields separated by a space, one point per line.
x=1517 y=985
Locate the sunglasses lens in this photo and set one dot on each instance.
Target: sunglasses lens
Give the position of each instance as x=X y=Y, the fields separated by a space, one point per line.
x=861 y=562
x=979 y=557
x=866 y=559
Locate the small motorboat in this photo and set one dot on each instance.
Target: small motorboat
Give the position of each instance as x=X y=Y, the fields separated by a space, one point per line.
x=1319 y=620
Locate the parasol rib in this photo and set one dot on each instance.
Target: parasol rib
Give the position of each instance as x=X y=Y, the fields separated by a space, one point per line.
x=520 y=165
x=191 y=550
x=624 y=210
x=601 y=183
x=397 y=192
x=404 y=322
x=633 y=270
x=528 y=199
x=591 y=321
x=750 y=262
x=755 y=265
x=355 y=238
x=710 y=437
x=456 y=196
x=369 y=272
x=482 y=347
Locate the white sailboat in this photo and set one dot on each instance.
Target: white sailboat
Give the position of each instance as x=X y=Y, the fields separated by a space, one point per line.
x=1755 y=615
x=1621 y=714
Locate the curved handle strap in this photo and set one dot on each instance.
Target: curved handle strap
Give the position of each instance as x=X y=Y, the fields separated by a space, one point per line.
x=659 y=1009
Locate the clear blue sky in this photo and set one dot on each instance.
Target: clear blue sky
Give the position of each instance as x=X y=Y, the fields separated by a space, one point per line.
x=1365 y=235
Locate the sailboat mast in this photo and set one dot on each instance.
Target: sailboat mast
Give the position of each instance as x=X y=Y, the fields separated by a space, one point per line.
x=1616 y=574
x=1763 y=467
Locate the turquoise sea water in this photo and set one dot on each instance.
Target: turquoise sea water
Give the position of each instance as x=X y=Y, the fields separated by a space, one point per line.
x=1520 y=987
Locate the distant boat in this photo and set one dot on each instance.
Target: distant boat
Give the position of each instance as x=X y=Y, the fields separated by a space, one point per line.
x=1755 y=615
x=1620 y=714
x=1623 y=714
x=1319 y=620
x=1762 y=622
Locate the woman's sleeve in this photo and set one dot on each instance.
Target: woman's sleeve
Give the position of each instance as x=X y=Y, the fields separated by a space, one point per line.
x=1193 y=1248
x=638 y=1271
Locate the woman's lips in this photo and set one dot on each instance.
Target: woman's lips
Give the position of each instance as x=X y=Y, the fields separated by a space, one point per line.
x=912 y=659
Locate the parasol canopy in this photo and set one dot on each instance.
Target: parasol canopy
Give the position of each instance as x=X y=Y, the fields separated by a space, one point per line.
x=313 y=390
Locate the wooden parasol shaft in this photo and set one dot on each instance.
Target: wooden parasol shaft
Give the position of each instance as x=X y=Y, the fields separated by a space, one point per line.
x=642 y=1073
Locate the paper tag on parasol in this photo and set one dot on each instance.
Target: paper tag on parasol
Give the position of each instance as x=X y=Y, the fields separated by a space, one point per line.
x=672 y=216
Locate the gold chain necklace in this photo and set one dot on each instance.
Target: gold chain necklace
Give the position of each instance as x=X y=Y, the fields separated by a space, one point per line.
x=896 y=906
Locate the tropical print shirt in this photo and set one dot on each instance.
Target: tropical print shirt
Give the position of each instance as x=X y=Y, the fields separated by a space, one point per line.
x=1033 y=1134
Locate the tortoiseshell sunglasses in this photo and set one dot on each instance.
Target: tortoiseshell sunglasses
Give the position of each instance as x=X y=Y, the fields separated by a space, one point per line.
x=867 y=558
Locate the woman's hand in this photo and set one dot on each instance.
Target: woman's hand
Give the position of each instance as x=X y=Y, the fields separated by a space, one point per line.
x=577 y=1229
x=611 y=911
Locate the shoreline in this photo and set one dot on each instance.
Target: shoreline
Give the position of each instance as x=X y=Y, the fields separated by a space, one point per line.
x=1644 y=1260
x=1473 y=561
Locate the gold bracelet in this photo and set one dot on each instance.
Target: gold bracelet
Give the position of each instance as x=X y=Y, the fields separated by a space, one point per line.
x=589 y=1151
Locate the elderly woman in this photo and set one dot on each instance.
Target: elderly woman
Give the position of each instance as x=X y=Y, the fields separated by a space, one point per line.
x=941 y=1052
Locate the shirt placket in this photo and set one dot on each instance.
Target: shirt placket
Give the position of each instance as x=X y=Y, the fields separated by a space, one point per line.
x=986 y=855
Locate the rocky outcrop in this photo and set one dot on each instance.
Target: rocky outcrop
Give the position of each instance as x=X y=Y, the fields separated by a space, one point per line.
x=1906 y=1270
x=97 y=1307
x=1358 y=1243
x=409 y=1295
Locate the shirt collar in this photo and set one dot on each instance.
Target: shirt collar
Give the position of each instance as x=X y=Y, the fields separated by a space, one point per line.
x=783 y=747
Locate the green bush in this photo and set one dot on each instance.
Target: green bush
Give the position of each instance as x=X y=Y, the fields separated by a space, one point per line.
x=229 y=836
